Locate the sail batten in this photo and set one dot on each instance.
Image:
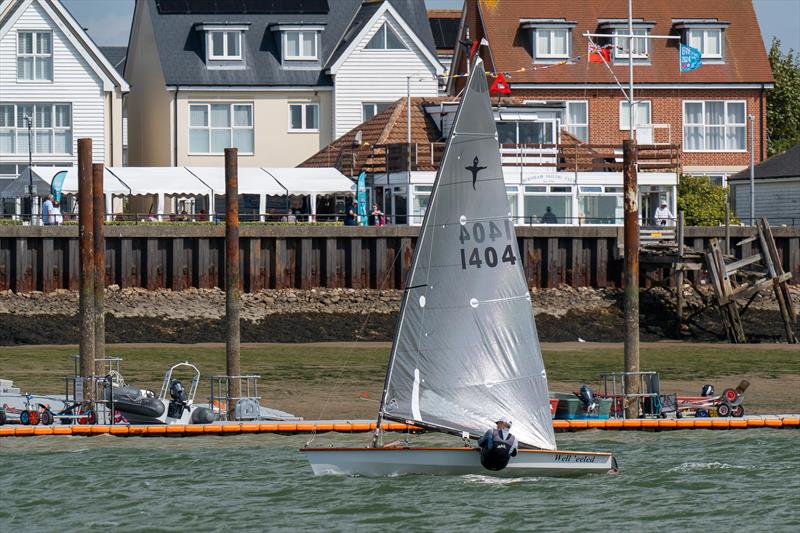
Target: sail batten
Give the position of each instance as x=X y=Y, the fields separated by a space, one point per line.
x=466 y=348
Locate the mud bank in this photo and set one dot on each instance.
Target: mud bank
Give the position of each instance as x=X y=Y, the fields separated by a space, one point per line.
x=136 y=315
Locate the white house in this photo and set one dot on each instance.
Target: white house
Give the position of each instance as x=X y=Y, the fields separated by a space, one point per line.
x=54 y=79
x=278 y=80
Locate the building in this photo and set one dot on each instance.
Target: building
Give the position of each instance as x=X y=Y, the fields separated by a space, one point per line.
x=541 y=45
x=279 y=80
x=52 y=72
x=444 y=27
x=777 y=189
x=578 y=183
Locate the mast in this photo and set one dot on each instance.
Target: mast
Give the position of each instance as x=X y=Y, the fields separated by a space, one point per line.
x=631 y=107
x=415 y=260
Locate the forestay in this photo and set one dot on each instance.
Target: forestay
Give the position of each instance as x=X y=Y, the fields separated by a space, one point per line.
x=466 y=348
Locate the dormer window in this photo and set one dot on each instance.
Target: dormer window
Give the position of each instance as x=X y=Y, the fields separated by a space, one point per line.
x=385 y=39
x=551 y=39
x=224 y=45
x=300 y=45
x=639 y=47
x=552 y=43
x=708 y=41
x=706 y=35
x=636 y=48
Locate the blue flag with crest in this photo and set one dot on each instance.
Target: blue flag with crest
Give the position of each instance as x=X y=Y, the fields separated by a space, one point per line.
x=689 y=58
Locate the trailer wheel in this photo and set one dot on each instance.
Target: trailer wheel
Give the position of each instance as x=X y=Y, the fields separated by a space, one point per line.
x=738 y=411
x=724 y=409
x=730 y=395
x=34 y=417
x=47 y=418
x=2 y=417
x=23 y=418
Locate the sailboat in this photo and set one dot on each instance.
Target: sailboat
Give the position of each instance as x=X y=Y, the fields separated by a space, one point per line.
x=465 y=349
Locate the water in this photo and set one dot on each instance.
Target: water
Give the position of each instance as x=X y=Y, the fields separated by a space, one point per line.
x=686 y=480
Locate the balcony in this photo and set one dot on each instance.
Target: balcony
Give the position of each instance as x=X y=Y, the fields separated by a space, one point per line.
x=402 y=157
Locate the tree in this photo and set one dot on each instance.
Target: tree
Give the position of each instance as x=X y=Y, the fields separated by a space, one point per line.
x=702 y=203
x=783 y=101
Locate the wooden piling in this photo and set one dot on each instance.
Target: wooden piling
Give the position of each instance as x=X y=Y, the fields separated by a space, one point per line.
x=679 y=274
x=98 y=216
x=631 y=236
x=232 y=297
x=86 y=265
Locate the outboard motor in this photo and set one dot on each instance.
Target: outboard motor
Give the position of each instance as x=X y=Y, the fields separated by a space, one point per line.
x=587 y=399
x=178 y=395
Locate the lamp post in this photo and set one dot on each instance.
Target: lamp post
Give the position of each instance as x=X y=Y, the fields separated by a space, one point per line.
x=29 y=125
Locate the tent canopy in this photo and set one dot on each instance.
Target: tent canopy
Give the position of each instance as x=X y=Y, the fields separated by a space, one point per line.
x=43 y=178
x=251 y=180
x=161 y=180
x=312 y=180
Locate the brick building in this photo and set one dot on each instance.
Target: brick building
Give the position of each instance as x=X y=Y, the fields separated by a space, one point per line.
x=704 y=112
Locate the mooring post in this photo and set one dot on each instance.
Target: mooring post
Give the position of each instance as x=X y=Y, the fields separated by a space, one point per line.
x=232 y=275
x=630 y=156
x=86 y=266
x=679 y=275
x=99 y=209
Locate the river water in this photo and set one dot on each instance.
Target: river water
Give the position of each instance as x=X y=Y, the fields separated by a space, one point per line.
x=698 y=480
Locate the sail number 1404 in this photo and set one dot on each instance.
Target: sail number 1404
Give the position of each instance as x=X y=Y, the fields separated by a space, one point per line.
x=488 y=255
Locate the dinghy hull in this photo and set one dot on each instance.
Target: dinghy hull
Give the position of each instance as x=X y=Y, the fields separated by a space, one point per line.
x=378 y=462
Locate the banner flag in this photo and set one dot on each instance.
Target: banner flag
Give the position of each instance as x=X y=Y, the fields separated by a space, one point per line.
x=362 y=198
x=689 y=58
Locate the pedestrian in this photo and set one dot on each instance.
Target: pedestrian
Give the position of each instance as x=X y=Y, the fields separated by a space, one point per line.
x=47 y=206
x=56 y=218
x=663 y=215
x=549 y=217
x=376 y=217
x=351 y=217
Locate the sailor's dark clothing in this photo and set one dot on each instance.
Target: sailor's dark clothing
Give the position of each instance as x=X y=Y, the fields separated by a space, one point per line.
x=497 y=448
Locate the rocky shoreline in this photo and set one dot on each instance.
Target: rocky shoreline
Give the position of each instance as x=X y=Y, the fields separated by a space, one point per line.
x=197 y=315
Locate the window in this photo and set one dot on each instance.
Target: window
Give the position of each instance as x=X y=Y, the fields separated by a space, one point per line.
x=577 y=120
x=300 y=45
x=714 y=126
x=419 y=204
x=709 y=42
x=639 y=46
x=525 y=132
x=35 y=56
x=642 y=114
x=304 y=117
x=370 y=109
x=51 y=131
x=385 y=39
x=512 y=193
x=214 y=127
x=597 y=206
x=224 y=45
x=548 y=205
x=552 y=43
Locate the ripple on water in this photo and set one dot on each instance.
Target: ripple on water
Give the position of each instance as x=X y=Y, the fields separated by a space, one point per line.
x=256 y=483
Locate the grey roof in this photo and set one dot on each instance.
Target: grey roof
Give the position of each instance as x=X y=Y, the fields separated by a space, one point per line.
x=783 y=165
x=182 y=53
x=116 y=55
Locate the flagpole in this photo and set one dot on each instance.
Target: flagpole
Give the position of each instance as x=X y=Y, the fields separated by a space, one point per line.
x=632 y=108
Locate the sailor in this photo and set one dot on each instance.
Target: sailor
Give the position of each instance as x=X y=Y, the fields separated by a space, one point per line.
x=663 y=215
x=498 y=445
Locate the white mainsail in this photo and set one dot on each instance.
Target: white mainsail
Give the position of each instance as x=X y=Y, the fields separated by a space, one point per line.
x=466 y=348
